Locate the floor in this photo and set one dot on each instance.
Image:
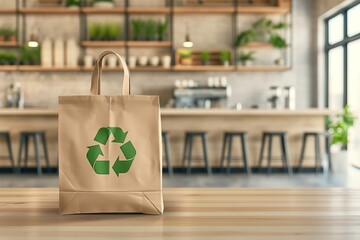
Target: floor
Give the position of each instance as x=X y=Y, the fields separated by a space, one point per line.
x=350 y=178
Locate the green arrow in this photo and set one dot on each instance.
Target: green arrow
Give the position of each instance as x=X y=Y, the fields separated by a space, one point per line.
x=93 y=153
x=118 y=134
x=102 y=167
x=123 y=166
x=102 y=135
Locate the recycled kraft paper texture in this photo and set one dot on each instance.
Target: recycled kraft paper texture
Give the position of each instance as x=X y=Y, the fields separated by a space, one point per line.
x=110 y=151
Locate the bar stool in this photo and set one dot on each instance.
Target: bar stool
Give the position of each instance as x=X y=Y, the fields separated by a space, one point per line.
x=187 y=156
x=284 y=150
x=24 y=143
x=7 y=138
x=227 y=147
x=316 y=136
x=166 y=144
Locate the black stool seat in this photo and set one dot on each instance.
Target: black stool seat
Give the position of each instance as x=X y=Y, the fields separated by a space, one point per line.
x=316 y=136
x=166 y=143
x=227 y=149
x=284 y=149
x=9 y=156
x=24 y=143
x=187 y=155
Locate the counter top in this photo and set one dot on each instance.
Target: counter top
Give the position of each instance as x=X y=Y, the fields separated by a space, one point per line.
x=194 y=213
x=189 y=112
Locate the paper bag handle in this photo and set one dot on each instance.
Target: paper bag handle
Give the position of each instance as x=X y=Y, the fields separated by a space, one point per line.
x=95 y=80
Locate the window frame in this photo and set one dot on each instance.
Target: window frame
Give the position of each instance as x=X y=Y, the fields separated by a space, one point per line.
x=343 y=43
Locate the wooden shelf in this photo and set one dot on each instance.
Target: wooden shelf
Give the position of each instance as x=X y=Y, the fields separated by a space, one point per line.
x=262 y=10
x=9 y=44
x=7 y=11
x=108 y=69
x=148 y=44
x=203 y=68
x=262 y=68
x=92 y=10
x=149 y=10
x=204 y=10
x=257 y=45
x=39 y=68
x=102 y=44
x=8 y=67
x=50 y=10
x=150 y=68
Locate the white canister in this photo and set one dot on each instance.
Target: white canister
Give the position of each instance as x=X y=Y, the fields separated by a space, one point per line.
x=46 y=53
x=72 y=53
x=154 y=61
x=166 y=61
x=88 y=61
x=112 y=61
x=132 y=61
x=59 y=53
x=143 y=60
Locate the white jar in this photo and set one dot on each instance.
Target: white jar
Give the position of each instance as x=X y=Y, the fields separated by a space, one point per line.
x=59 y=53
x=166 y=61
x=88 y=61
x=154 y=61
x=143 y=60
x=46 y=53
x=72 y=53
x=132 y=61
x=112 y=61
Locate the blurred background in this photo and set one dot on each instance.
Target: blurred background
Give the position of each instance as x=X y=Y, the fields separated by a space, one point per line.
x=254 y=93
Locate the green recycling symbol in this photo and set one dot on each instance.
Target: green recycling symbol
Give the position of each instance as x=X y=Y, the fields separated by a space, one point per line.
x=103 y=166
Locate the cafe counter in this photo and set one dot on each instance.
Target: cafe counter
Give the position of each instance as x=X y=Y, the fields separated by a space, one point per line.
x=178 y=121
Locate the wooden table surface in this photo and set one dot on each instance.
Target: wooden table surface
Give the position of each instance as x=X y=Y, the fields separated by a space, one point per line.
x=289 y=214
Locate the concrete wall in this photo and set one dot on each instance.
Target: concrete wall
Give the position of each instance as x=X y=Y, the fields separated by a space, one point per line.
x=208 y=31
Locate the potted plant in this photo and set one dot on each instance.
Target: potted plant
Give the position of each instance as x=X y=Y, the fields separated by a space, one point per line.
x=94 y=32
x=185 y=57
x=29 y=56
x=263 y=30
x=162 y=27
x=114 y=31
x=7 y=58
x=246 y=58
x=339 y=126
x=205 y=57
x=72 y=3
x=137 y=29
x=225 y=57
x=103 y=3
x=150 y=30
x=11 y=35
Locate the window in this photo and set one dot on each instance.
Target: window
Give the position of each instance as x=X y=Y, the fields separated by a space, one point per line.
x=342 y=57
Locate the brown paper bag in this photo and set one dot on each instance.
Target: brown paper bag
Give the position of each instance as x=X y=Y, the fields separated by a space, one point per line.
x=110 y=151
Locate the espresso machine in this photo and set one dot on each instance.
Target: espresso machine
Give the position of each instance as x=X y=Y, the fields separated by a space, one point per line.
x=202 y=96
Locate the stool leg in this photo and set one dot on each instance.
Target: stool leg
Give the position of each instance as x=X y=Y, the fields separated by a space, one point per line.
x=328 y=152
x=22 y=142
x=26 y=150
x=228 y=168
x=43 y=138
x=245 y=155
x=37 y=154
x=11 y=157
x=185 y=155
x=317 y=153
x=286 y=155
x=167 y=154
x=223 y=150
x=206 y=155
x=263 y=138
x=269 y=155
x=303 y=147
x=189 y=157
